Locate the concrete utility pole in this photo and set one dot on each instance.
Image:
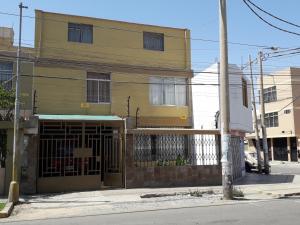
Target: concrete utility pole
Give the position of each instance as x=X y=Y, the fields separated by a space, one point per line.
x=262 y=117
x=14 y=185
x=255 y=119
x=225 y=105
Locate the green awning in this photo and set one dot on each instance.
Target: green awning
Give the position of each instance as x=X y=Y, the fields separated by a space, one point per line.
x=78 y=117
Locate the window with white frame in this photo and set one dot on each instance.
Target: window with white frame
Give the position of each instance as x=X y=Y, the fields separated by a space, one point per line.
x=80 y=33
x=6 y=73
x=168 y=91
x=270 y=94
x=98 y=87
x=271 y=119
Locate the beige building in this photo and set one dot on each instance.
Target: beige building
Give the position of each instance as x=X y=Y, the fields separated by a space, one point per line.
x=282 y=114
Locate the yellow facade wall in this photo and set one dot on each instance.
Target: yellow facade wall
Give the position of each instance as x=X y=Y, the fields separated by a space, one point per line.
x=119 y=47
x=113 y=42
x=67 y=96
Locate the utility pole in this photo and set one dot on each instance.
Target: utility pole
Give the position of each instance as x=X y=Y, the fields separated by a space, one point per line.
x=255 y=119
x=14 y=184
x=262 y=117
x=225 y=105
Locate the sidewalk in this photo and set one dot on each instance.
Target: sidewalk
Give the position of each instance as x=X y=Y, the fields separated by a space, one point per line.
x=255 y=187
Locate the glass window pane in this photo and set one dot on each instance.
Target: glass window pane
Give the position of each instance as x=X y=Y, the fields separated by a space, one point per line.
x=73 y=32
x=92 y=91
x=86 y=34
x=6 y=73
x=169 y=91
x=104 y=91
x=181 y=90
x=156 y=91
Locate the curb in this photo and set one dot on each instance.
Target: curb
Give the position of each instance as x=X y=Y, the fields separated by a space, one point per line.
x=7 y=210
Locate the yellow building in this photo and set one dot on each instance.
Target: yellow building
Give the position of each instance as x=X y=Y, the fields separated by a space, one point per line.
x=93 y=77
x=282 y=104
x=99 y=63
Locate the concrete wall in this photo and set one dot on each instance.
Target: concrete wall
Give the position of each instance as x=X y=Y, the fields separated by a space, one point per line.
x=167 y=176
x=206 y=99
x=113 y=42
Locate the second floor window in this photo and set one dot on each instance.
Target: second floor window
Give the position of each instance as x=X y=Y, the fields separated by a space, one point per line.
x=98 y=87
x=153 y=41
x=270 y=94
x=6 y=74
x=168 y=91
x=271 y=119
x=80 y=33
x=245 y=93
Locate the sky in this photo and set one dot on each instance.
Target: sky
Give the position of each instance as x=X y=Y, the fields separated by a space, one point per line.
x=200 y=16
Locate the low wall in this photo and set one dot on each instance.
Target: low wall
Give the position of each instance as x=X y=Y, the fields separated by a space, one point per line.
x=138 y=177
x=166 y=176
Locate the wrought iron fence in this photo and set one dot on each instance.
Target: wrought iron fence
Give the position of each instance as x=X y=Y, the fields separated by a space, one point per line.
x=176 y=149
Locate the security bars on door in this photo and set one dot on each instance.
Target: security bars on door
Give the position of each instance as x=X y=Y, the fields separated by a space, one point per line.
x=76 y=149
x=176 y=150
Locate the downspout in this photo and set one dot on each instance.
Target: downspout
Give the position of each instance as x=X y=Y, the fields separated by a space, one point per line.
x=185 y=49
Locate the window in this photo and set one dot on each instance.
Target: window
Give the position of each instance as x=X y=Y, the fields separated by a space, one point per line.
x=271 y=119
x=6 y=73
x=80 y=33
x=168 y=91
x=287 y=111
x=245 y=93
x=270 y=94
x=98 y=87
x=153 y=41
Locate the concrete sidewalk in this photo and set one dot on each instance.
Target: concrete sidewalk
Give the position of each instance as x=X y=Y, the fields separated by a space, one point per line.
x=254 y=186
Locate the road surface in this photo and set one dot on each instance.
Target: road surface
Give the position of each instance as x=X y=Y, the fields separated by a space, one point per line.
x=275 y=212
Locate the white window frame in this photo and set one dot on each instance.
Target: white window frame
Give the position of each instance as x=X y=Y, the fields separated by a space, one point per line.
x=98 y=81
x=175 y=91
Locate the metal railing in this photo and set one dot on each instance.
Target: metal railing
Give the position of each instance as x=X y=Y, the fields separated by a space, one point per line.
x=175 y=147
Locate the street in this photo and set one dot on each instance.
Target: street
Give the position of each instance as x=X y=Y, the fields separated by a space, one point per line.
x=283 y=211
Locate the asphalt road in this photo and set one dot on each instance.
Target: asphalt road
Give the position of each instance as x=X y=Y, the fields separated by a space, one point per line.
x=275 y=212
x=286 y=168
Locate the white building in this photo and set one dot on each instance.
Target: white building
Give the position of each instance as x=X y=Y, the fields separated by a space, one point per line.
x=206 y=104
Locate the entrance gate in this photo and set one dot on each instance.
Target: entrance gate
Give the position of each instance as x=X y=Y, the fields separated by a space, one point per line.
x=78 y=156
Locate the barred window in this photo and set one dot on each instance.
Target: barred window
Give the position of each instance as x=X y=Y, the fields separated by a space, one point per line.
x=98 y=87
x=6 y=73
x=168 y=91
x=270 y=94
x=153 y=41
x=271 y=119
x=80 y=33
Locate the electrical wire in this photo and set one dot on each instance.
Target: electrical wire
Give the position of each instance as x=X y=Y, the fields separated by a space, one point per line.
x=270 y=24
x=272 y=15
x=135 y=31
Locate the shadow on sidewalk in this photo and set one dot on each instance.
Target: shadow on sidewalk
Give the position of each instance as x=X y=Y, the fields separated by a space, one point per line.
x=252 y=178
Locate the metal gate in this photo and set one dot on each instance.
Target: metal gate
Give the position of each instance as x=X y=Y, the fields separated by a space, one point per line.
x=78 y=156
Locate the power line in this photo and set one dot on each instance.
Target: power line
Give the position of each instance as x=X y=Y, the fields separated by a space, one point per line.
x=135 y=31
x=270 y=24
x=272 y=15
